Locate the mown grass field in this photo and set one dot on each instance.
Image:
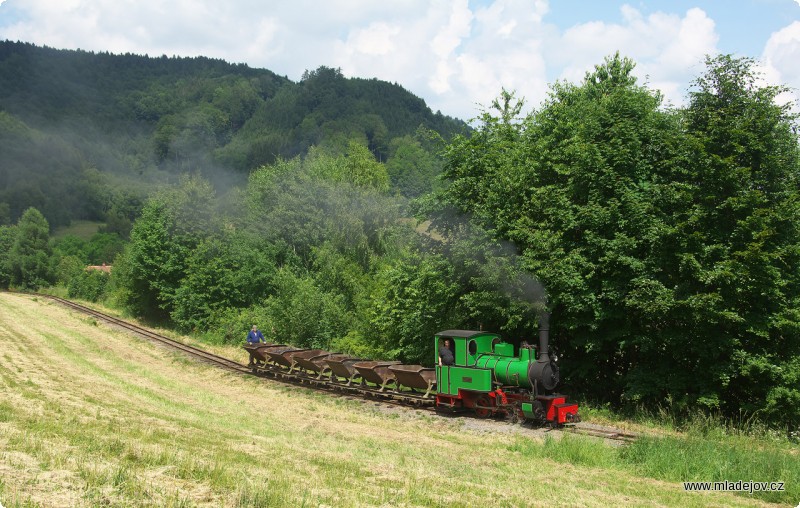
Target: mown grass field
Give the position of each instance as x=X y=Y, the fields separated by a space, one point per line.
x=91 y=416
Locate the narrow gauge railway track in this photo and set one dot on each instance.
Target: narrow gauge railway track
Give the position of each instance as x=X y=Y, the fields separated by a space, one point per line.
x=197 y=353
x=605 y=433
x=404 y=399
x=273 y=372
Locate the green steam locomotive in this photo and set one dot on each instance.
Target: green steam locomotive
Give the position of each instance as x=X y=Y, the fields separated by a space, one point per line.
x=482 y=373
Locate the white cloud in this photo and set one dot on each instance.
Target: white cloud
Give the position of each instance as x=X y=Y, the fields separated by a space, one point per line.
x=781 y=61
x=668 y=49
x=378 y=39
x=506 y=51
x=782 y=52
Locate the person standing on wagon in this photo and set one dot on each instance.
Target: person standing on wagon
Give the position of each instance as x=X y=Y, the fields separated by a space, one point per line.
x=255 y=336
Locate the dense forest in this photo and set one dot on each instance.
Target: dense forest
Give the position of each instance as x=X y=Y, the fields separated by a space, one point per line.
x=84 y=135
x=664 y=240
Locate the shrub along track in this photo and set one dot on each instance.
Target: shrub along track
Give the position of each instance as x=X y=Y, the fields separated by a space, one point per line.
x=405 y=399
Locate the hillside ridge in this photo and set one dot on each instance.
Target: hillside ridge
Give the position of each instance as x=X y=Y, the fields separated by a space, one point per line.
x=142 y=120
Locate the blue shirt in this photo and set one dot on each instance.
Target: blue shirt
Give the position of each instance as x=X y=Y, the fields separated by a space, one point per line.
x=255 y=336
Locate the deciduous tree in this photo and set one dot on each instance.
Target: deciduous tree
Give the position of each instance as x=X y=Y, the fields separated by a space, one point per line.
x=29 y=257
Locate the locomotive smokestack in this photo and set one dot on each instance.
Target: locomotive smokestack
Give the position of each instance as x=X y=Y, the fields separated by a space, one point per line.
x=544 y=336
x=544 y=372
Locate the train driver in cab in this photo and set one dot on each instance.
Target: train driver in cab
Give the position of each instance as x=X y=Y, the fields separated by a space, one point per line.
x=446 y=354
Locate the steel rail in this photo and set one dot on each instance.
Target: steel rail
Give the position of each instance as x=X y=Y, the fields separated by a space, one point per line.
x=605 y=433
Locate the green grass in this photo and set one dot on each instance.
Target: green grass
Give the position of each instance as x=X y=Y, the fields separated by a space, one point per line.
x=258 y=493
x=695 y=458
x=83 y=229
x=709 y=447
x=681 y=458
x=666 y=418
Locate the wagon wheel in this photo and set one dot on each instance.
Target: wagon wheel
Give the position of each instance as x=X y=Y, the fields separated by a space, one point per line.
x=481 y=407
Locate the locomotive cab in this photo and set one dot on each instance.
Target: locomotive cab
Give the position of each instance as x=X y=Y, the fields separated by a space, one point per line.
x=467 y=347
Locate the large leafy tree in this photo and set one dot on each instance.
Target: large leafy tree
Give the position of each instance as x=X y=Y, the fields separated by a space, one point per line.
x=172 y=224
x=740 y=281
x=7 y=234
x=418 y=297
x=324 y=198
x=569 y=185
x=233 y=271
x=29 y=257
x=149 y=272
x=412 y=169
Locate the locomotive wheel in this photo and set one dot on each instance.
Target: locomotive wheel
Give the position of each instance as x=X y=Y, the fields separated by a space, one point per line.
x=515 y=415
x=539 y=412
x=484 y=411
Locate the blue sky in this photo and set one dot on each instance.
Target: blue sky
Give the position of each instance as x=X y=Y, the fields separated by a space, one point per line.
x=743 y=25
x=455 y=54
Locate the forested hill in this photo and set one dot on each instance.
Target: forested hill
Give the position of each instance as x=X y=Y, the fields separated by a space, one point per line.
x=69 y=119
